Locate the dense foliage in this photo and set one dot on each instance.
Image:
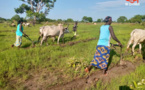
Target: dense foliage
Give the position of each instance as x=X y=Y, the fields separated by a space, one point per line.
x=34 y=8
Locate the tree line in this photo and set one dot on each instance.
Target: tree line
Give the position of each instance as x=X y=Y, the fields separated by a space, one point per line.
x=121 y=19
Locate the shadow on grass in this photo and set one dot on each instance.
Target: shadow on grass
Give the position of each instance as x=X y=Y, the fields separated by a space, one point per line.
x=143 y=51
x=26 y=45
x=2 y=35
x=66 y=39
x=112 y=53
x=124 y=88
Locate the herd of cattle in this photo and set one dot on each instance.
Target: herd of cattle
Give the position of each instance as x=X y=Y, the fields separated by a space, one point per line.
x=25 y=24
x=137 y=36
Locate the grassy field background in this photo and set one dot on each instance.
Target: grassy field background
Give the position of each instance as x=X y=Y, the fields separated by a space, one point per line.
x=62 y=64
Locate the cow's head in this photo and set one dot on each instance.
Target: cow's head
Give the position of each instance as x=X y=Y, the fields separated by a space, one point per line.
x=41 y=29
x=66 y=29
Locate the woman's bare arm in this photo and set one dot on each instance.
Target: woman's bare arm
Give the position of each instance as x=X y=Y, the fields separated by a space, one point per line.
x=113 y=35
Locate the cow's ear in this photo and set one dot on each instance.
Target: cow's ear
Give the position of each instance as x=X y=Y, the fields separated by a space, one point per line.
x=63 y=29
x=66 y=28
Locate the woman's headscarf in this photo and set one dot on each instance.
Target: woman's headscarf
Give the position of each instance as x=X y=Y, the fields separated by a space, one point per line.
x=21 y=20
x=107 y=19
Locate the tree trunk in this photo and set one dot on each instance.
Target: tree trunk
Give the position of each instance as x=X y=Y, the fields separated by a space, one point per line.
x=34 y=21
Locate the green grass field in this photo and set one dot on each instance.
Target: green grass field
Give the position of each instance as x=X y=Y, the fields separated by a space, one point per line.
x=63 y=64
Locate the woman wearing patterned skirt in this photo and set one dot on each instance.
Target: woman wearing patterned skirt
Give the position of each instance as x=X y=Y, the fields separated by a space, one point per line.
x=101 y=57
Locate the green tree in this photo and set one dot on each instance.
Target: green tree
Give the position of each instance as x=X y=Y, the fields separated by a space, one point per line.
x=87 y=19
x=59 y=20
x=122 y=19
x=16 y=17
x=69 y=20
x=41 y=17
x=2 y=19
x=90 y=19
x=50 y=20
x=99 y=20
x=34 y=8
x=143 y=18
x=137 y=18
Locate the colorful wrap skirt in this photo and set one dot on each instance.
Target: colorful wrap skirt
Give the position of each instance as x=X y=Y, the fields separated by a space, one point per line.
x=18 y=41
x=101 y=57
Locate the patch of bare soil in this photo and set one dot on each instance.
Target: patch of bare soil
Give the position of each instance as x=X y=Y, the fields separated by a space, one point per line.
x=83 y=83
x=40 y=80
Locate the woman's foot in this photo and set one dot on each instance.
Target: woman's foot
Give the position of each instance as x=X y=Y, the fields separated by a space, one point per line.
x=87 y=70
x=105 y=72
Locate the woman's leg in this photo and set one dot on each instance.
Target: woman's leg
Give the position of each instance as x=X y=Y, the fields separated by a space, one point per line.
x=18 y=41
x=105 y=71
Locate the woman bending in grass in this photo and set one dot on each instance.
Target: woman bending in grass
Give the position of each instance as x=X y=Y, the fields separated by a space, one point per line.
x=101 y=57
x=19 y=34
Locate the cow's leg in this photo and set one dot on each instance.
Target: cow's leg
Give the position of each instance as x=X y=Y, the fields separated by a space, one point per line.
x=62 y=36
x=44 y=37
x=53 y=38
x=58 y=38
x=133 y=48
x=140 y=48
x=39 y=38
x=46 y=41
x=129 y=43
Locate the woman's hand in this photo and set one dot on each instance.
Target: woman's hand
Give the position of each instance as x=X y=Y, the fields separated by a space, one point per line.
x=25 y=34
x=120 y=44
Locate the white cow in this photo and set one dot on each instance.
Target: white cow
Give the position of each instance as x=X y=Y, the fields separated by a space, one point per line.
x=52 y=31
x=26 y=24
x=137 y=37
x=13 y=25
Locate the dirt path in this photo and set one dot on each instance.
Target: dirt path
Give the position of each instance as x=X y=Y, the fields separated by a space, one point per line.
x=83 y=83
x=45 y=80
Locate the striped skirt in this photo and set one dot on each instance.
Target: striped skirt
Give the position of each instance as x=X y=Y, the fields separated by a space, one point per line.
x=101 y=57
